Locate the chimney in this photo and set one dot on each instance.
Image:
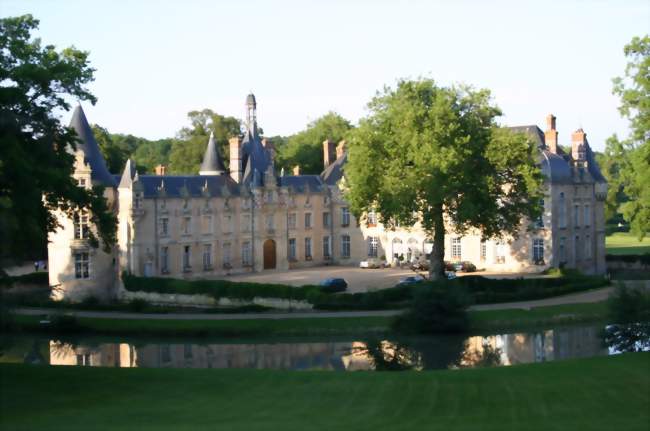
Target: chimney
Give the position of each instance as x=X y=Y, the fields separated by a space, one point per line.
x=579 y=145
x=296 y=170
x=340 y=149
x=160 y=170
x=550 y=136
x=328 y=153
x=235 y=158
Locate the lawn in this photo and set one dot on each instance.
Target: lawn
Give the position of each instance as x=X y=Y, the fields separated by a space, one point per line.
x=481 y=322
x=626 y=243
x=605 y=393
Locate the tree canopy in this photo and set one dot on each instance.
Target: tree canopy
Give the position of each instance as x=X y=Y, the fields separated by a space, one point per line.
x=36 y=167
x=188 y=149
x=306 y=148
x=436 y=155
x=629 y=159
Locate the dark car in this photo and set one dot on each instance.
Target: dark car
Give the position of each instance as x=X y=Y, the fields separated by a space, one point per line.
x=407 y=281
x=333 y=285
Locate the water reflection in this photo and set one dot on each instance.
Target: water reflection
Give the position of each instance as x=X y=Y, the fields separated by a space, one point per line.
x=371 y=354
x=633 y=337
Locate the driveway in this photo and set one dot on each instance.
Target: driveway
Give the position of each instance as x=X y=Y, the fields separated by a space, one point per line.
x=359 y=280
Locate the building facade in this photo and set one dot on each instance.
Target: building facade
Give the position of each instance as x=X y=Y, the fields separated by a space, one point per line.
x=249 y=218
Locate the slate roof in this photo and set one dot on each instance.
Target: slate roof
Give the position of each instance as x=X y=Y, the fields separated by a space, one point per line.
x=254 y=157
x=212 y=162
x=335 y=171
x=87 y=143
x=173 y=185
x=302 y=183
x=127 y=175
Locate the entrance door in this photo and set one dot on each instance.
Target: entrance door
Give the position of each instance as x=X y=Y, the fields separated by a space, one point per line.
x=269 y=254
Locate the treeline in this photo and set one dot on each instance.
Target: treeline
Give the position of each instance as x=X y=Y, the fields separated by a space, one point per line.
x=183 y=153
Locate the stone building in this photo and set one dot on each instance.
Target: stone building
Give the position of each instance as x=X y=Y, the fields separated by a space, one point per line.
x=247 y=218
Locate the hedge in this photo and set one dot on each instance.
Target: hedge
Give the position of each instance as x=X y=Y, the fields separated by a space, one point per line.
x=629 y=258
x=483 y=290
x=41 y=278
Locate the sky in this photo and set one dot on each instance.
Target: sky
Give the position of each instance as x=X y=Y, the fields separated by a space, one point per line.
x=157 y=60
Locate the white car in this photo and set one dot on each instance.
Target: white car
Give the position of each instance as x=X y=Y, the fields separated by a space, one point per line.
x=373 y=263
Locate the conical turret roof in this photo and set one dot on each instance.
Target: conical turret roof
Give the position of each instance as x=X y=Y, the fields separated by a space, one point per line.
x=129 y=173
x=212 y=163
x=88 y=145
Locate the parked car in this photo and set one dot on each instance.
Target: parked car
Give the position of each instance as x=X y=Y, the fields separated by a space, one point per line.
x=464 y=267
x=420 y=265
x=373 y=263
x=407 y=281
x=333 y=285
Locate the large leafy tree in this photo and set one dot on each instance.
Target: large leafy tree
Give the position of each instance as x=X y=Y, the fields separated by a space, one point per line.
x=436 y=155
x=36 y=165
x=632 y=156
x=187 y=151
x=306 y=148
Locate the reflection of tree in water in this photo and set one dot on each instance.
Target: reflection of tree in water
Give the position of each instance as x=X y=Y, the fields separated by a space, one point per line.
x=390 y=356
x=486 y=356
x=632 y=337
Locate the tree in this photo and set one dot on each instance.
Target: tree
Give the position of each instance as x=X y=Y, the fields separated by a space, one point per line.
x=35 y=164
x=187 y=151
x=634 y=154
x=114 y=154
x=435 y=155
x=306 y=148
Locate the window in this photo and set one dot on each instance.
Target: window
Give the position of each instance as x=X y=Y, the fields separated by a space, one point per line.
x=345 y=246
x=456 y=251
x=540 y=220
x=538 y=250
x=84 y=360
x=576 y=215
x=186 y=225
x=562 y=211
x=483 y=249
x=562 y=250
x=246 y=223
x=81 y=265
x=138 y=200
x=588 y=247
x=327 y=250
x=164 y=226
x=372 y=218
x=308 y=248
x=326 y=219
x=246 y=259
x=291 y=220
x=292 y=249
x=307 y=220
x=227 y=223
x=164 y=260
x=81 y=182
x=500 y=253
x=587 y=215
x=576 y=249
x=345 y=216
x=373 y=246
x=207 y=256
x=81 y=226
x=207 y=224
x=186 y=258
x=270 y=223
x=225 y=254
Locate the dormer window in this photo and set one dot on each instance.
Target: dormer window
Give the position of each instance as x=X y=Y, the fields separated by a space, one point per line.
x=137 y=203
x=81 y=182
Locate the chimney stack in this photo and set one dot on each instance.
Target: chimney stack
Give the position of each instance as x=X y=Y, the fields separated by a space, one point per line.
x=579 y=145
x=160 y=170
x=550 y=136
x=340 y=149
x=296 y=170
x=328 y=153
x=235 y=158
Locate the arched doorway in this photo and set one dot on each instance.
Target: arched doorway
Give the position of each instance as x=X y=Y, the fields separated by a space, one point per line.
x=269 y=254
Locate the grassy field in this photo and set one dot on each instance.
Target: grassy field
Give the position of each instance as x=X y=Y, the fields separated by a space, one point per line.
x=626 y=243
x=605 y=393
x=481 y=321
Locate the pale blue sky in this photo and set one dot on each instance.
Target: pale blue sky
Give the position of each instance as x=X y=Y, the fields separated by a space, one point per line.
x=158 y=60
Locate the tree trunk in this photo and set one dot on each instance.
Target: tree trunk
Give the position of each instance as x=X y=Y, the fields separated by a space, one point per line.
x=437 y=257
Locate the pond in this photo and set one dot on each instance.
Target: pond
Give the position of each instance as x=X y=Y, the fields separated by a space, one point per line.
x=416 y=353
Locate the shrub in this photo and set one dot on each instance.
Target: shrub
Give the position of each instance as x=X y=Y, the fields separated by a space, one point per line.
x=38 y=278
x=629 y=258
x=435 y=309
x=629 y=305
x=65 y=323
x=138 y=305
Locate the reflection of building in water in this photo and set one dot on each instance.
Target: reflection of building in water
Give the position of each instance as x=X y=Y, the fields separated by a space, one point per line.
x=534 y=347
x=102 y=355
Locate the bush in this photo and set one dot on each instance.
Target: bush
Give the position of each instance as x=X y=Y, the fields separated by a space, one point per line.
x=138 y=305
x=38 y=278
x=65 y=323
x=629 y=258
x=435 y=309
x=629 y=305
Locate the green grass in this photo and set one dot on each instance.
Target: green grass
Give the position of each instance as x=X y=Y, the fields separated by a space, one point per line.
x=626 y=243
x=605 y=393
x=481 y=321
